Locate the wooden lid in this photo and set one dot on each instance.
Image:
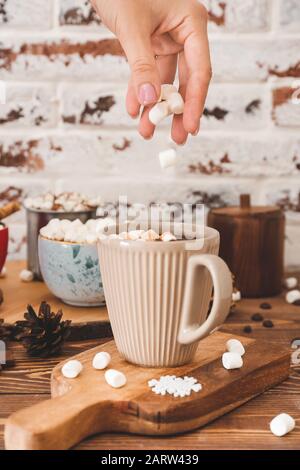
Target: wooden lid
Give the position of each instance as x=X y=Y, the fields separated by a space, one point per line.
x=246 y=210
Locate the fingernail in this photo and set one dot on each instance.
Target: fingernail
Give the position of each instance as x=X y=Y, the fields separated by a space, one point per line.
x=147 y=94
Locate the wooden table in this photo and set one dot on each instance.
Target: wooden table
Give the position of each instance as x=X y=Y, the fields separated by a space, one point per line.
x=244 y=428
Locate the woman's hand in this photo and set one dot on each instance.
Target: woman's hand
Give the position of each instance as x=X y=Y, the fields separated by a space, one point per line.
x=158 y=35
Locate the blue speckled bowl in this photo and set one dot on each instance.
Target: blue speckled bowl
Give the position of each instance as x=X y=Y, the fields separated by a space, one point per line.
x=71 y=272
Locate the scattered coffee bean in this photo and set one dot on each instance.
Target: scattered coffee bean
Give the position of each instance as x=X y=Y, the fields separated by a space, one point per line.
x=297 y=303
x=247 y=329
x=265 y=306
x=268 y=324
x=257 y=317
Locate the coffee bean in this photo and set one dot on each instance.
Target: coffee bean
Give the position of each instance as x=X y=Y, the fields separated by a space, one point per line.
x=257 y=317
x=297 y=303
x=265 y=306
x=268 y=324
x=247 y=329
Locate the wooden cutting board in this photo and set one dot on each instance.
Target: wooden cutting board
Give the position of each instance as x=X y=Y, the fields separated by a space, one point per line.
x=88 y=405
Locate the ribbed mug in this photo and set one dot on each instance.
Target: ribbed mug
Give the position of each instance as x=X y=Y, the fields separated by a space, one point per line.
x=158 y=296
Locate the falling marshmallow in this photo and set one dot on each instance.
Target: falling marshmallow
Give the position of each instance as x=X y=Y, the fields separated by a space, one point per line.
x=101 y=360
x=232 y=360
x=158 y=112
x=71 y=369
x=282 y=424
x=115 y=378
x=167 y=158
x=235 y=346
x=26 y=275
x=175 y=103
x=292 y=296
x=291 y=282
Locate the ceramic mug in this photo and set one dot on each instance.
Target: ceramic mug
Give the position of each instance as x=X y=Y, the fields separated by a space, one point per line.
x=158 y=295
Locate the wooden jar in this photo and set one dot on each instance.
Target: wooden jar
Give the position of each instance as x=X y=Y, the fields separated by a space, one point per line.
x=252 y=244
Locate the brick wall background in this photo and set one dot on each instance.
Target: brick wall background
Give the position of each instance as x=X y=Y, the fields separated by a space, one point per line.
x=65 y=126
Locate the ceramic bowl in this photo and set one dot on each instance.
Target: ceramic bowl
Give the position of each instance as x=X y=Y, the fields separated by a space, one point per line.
x=71 y=272
x=3 y=245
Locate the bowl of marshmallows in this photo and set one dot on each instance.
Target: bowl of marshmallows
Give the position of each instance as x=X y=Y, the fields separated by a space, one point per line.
x=69 y=260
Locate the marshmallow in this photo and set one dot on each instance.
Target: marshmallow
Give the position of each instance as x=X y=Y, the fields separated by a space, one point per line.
x=101 y=360
x=282 y=424
x=3 y=272
x=114 y=378
x=158 y=112
x=26 y=275
x=167 y=89
x=236 y=296
x=235 y=346
x=232 y=360
x=167 y=158
x=168 y=237
x=91 y=238
x=135 y=234
x=150 y=235
x=74 y=202
x=175 y=103
x=71 y=369
x=292 y=296
x=291 y=282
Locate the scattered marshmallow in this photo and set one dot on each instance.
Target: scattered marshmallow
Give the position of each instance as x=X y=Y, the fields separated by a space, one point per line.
x=167 y=89
x=115 y=378
x=236 y=296
x=292 y=296
x=26 y=275
x=63 y=202
x=282 y=424
x=168 y=237
x=175 y=103
x=176 y=386
x=167 y=158
x=158 y=112
x=235 y=346
x=3 y=272
x=232 y=360
x=291 y=282
x=101 y=360
x=71 y=369
x=150 y=235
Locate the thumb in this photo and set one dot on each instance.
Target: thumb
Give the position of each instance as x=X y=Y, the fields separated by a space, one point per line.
x=143 y=66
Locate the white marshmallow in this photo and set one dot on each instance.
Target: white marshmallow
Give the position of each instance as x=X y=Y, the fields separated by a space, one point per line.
x=150 y=235
x=166 y=91
x=236 y=296
x=158 y=112
x=232 y=360
x=168 y=237
x=235 y=346
x=124 y=236
x=282 y=424
x=101 y=360
x=135 y=234
x=292 y=296
x=167 y=158
x=91 y=238
x=3 y=272
x=114 y=378
x=71 y=369
x=26 y=275
x=291 y=282
x=175 y=103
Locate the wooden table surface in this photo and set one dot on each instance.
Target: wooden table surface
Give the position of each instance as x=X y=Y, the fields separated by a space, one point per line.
x=244 y=428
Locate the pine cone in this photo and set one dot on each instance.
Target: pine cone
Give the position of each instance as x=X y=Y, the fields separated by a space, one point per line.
x=44 y=334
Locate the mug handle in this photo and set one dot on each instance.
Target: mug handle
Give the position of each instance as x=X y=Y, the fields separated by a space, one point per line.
x=189 y=331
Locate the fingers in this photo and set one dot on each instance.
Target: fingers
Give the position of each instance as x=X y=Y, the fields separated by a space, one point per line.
x=178 y=132
x=132 y=104
x=167 y=68
x=145 y=76
x=196 y=49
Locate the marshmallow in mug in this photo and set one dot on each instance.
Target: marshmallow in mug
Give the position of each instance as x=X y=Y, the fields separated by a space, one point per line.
x=63 y=202
x=142 y=235
x=76 y=231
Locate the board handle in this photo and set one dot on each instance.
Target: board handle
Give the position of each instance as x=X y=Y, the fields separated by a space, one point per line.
x=222 y=282
x=56 y=424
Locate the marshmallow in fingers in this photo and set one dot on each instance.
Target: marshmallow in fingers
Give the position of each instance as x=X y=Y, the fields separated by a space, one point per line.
x=175 y=103
x=158 y=112
x=166 y=91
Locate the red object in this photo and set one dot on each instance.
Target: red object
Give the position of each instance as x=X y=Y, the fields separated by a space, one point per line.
x=3 y=245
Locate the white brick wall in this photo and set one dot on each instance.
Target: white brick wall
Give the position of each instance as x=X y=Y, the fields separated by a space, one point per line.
x=64 y=125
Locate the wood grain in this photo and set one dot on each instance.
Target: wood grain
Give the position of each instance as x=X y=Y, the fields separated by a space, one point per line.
x=88 y=405
x=18 y=294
